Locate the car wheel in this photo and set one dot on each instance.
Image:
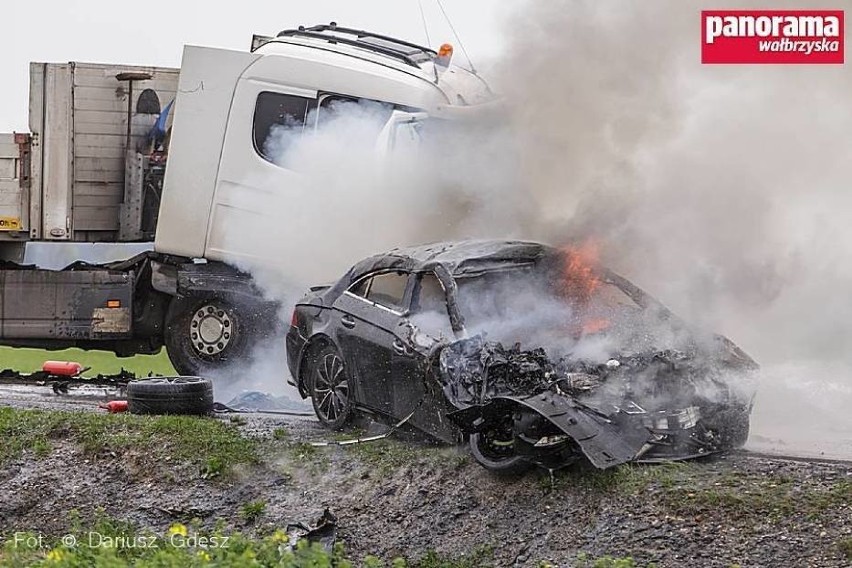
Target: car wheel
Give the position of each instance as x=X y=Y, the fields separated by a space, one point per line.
x=204 y=334
x=170 y=395
x=496 y=453
x=330 y=388
x=732 y=426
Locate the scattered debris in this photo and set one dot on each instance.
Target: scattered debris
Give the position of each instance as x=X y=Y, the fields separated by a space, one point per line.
x=61 y=382
x=63 y=368
x=256 y=401
x=324 y=531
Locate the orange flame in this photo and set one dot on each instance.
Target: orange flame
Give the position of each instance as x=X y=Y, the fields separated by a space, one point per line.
x=579 y=275
x=579 y=282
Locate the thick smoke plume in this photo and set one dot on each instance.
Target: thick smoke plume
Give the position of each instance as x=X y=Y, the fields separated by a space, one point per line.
x=721 y=190
x=344 y=193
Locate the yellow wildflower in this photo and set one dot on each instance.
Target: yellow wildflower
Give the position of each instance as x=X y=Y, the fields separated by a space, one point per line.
x=57 y=555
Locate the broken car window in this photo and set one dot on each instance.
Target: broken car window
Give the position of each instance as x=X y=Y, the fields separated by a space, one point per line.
x=388 y=289
x=278 y=118
x=360 y=288
x=430 y=295
x=429 y=307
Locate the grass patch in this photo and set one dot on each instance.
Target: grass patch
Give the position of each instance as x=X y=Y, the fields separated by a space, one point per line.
x=211 y=444
x=583 y=561
x=730 y=492
x=252 y=511
x=481 y=557
x=751 y=495
x=29 y=360
x=624 y=479
x=280 y=433
x=845 y=548
x=386 y=455
x=312 y=457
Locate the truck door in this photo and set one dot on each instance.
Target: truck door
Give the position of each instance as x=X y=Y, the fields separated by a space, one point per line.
x=253 y=184
x=268 y=189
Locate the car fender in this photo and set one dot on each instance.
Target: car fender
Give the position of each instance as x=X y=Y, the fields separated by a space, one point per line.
x=314 y=343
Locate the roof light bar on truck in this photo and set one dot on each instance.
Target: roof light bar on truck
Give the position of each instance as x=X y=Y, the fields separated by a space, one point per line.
x=316 y=32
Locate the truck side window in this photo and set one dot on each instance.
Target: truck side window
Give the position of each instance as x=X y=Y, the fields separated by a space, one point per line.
x=277 y=119
x=365 y=111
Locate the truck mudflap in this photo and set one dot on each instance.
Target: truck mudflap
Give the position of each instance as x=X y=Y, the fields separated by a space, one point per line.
x=606 y=440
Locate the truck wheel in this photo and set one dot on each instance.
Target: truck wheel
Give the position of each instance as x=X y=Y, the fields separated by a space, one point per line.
x=203 y=335
x=170 y=395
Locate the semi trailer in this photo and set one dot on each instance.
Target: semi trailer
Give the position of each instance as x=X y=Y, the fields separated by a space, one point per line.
x=118 y=206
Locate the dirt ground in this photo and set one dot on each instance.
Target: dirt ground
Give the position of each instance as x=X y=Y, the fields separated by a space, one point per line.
x=402 y=498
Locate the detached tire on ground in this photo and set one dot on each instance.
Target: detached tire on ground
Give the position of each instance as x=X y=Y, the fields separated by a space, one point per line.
x=170 y=395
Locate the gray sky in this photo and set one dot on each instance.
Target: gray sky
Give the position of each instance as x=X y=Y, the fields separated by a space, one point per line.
x=153 y=32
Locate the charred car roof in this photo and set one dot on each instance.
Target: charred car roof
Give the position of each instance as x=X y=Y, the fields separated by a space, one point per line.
x=459 y=258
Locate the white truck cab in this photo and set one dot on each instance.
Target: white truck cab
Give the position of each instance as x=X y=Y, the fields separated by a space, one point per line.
x=228 y=103
x=103 y=172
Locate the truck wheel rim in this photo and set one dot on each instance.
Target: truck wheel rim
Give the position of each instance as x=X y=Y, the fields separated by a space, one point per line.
x=210 y=330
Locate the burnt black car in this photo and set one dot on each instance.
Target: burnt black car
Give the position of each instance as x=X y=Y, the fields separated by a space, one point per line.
x=530 y=353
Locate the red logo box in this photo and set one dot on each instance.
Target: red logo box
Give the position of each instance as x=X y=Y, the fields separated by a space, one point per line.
x=772 y=36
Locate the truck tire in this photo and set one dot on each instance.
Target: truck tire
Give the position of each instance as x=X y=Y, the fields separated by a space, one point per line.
x=170 y=395
x=203 y=335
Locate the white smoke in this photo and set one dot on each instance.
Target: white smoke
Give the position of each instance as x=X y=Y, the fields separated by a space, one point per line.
x=350 y=193
x=721 y=190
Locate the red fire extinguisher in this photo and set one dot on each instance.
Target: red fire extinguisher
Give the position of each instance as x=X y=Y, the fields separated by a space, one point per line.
x=115 y=406
x=62 y=368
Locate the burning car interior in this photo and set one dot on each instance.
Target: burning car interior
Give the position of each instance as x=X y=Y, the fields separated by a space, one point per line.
x=533 y=355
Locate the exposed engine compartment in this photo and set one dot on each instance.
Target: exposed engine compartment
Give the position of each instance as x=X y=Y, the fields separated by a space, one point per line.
x=663 y=405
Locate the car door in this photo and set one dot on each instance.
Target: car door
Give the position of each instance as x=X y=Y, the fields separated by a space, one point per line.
x=414 y=389
x=370 y=312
